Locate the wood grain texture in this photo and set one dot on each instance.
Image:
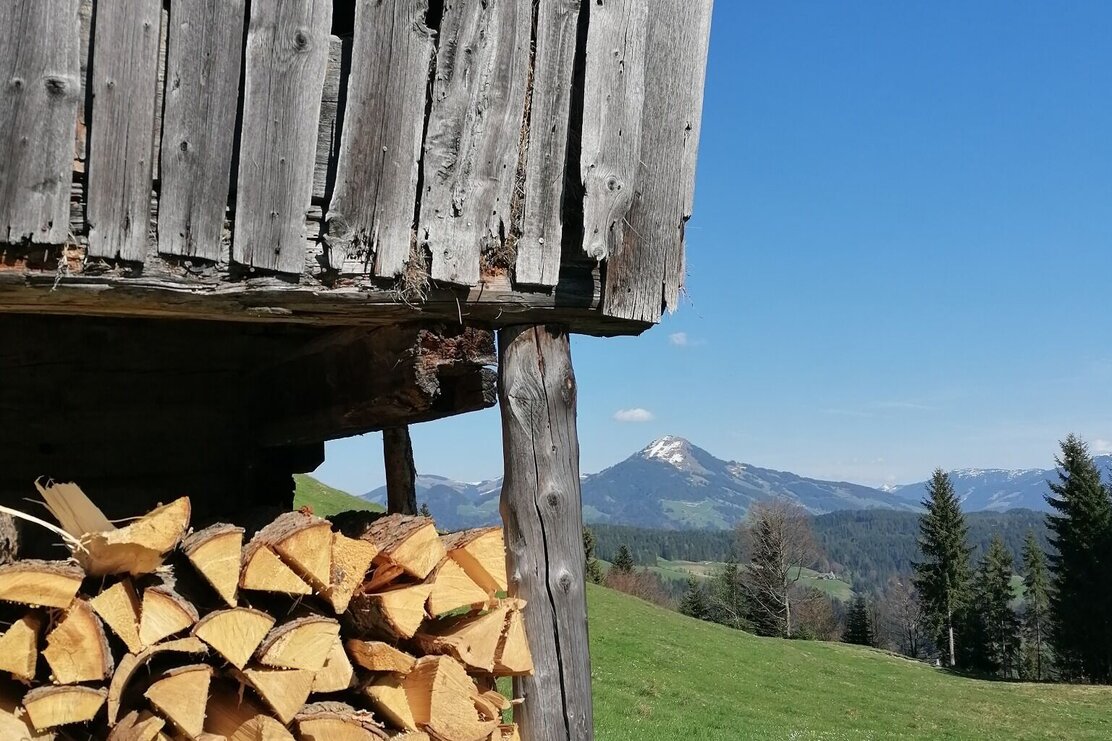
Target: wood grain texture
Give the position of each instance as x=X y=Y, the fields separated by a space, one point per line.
x=401 y=473
x=121 y=136
x=645 y=272
x=614 y=96
x=538 y=248
x=372 y=210
x=287 y=54
x=205 y=47
x=328 y=128
x=471 y=148
x=40 y=92
x=542 y=513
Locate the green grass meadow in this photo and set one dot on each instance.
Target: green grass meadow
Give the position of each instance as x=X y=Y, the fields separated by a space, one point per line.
x=325 y=500
x=661 y=676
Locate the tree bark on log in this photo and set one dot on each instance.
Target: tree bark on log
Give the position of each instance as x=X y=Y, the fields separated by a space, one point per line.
x=401 y=474
x=542 y=512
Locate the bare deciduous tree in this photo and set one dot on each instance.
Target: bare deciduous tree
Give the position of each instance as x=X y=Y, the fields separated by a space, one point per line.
x=778 y=543
x=902 y=624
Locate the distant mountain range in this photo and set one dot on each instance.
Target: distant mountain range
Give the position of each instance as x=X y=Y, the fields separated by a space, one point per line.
x=672 y=484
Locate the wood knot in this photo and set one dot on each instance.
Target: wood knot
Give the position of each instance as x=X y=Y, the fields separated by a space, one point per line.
x=565 y=582
x=553 y=500
x=300 y=40
x=55 y=86
x=613 y=184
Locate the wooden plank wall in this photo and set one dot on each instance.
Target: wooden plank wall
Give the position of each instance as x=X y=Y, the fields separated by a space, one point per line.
x=38 y=105
x=435 y=140
x=198 y=124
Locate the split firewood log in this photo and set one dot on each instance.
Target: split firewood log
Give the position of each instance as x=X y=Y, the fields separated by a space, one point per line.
x=119 y=607
x=164 y=613
x=19 y=646
x=473 y=641
x=514 y=658
x=387 y=695
x=406 y=542
x=482 y=554
x=377 y=656
x=453 y=589
x=138 y=726
x=14 y=723
x=283 y=690
x=351 y=559
x=137 y=548
x=440 y=696
x=77 y=649
x=398 y=611
x=40 y=583
x=50 y=707
x=131 y=662
x=303 y=643
x=237 y=717
x=304 y=543
x=235 y=634
x=263 y=571
x=216 y=553
x=337 y=721
x=337 y=674
x=181 y=695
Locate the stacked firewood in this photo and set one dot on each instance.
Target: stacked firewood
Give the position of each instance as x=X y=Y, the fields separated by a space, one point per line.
x=367 y=627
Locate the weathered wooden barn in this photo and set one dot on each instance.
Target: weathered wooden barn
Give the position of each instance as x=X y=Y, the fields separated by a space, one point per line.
x=233 y=229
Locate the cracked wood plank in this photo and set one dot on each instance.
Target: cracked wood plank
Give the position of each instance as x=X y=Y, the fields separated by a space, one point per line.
x=121 y=136
x=645 y=272
x=371 y=215
x=542 y=512
x=614 y=96
x=287 y=54
x=39 y=100
x=205 y=46
x=471 y=151
x=538 y=249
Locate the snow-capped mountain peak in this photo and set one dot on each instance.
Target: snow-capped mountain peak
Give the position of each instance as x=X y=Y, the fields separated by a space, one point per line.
x=670 y=449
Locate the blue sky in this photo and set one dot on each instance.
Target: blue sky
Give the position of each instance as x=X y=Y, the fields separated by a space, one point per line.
x=901 y=254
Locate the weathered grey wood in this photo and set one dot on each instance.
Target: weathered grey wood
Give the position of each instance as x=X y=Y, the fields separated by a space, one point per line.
x=542 y=513
x=645 y=273
x=538 y=248
x=160 y=94
x=614 y=95
x=372 y=210
x=80 y=149
x=401 y=473
x=125 y=70
x=205 y=47
x=40 y=91
x=287 y=53
x=328 y=128
x=471 y=148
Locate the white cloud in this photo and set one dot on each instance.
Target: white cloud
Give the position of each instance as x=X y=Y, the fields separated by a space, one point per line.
x=1100 y=447
x=636 y=414
x=679 y=339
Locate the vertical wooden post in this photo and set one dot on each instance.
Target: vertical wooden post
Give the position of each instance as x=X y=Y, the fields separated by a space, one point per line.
x=542 y=513
x=401 y=474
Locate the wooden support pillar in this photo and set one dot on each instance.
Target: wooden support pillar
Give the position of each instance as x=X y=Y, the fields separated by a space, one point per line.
x=542 y=513
x=401 y=474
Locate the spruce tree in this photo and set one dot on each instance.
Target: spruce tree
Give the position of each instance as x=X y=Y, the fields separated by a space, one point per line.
x=623 y=562
x=998 y=622
x=943 y=576
x=858 y=628
x=592 y=568
x=425 y=511
x=727 y=596
x=1080 y=527
x=1035 y=609
x=694 y=602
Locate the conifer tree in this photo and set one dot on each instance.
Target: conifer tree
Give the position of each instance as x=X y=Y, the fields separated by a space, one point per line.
x=943 y=576
x=425 y=511
x=727 y=596
x=998 y=623
x=858 y=628
x=1035 y=609
x=1081 y=531
x=592 y=568
x=623 y=562
x=694 y=602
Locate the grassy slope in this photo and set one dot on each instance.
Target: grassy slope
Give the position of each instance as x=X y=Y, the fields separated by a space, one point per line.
x=660 y=676
x=325 y=500
x=680 y=570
